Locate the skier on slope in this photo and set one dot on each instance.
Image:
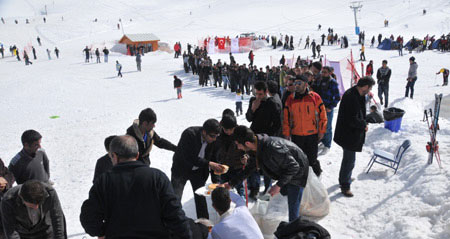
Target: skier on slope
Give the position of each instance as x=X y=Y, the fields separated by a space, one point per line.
x=138 y=61
x=86 y=52
x=119 y=69
x=97 y=54
x=34 y=52
x=445 y=73
x=57 y=52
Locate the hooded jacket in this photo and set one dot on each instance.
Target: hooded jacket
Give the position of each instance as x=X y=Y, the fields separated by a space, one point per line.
x=145 y=146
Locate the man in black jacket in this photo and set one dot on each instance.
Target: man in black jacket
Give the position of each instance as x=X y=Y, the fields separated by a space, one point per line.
x=383 y=76
x=266 y=119
x=104 y=164
x=32 y=210
x=132 y=200
x=142 y=131
x=351 y=128
x=278 y=159
x=6 y=182
x=191 y=161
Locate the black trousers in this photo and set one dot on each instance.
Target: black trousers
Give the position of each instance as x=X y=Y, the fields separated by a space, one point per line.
x=309 y=145
x=198 y=180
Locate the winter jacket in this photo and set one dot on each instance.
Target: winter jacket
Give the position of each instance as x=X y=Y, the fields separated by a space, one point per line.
x=133 y=201
x=328 y=89
x=265 y=119
x=412 y=72
x=118 y=67
x=105 y=51
x=8 y=176
x=279 y=159
x=350 y=131
x=146 y=146
x=138 y=58
x=226 y=151
x=177 y=83
x=25 y=168
x=369 y=70
x=300 y=229
x=16 y=222
x=103 y=165
x=383 y=75
x=304 y=115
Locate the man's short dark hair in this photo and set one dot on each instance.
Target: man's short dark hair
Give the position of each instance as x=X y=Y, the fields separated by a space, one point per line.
x=108 y=141
x=261 y=85
x=384 y=62
x=366 y=80
x=227 y=112
x=228 y=121
x=412 y=58
x=147 y=115
x=33 y=191
x=125 y=147
x=374 y=108
x=327 y=68
x=317 y=65
x=220 y=198
x=30 y=136
x=243 y=134
x=272 y=87
x=211 y=126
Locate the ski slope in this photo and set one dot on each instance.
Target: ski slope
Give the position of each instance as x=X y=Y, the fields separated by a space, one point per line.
x=92 y=103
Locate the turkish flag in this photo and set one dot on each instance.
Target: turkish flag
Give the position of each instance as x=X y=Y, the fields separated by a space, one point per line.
x=221 y=43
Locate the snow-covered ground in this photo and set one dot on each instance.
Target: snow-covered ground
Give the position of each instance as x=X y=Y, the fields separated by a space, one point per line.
x=92 y=103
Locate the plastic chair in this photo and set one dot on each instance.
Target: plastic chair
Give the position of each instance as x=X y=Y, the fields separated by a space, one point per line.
x=388 y=159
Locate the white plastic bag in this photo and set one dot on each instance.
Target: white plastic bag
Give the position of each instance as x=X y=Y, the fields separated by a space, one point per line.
x=315 y=201
x=277 y=211
x=258 y=211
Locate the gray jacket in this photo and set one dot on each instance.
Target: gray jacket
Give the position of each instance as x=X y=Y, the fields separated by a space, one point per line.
x=24 y=167
x=412 y=73
x=16 y=222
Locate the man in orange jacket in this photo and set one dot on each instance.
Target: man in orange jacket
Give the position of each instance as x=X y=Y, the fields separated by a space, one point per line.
x=305 y=120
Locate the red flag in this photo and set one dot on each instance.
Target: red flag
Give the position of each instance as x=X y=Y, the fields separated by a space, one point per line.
x=221 y=42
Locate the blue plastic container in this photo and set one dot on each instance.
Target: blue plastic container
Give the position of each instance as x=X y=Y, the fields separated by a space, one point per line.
x=393 y=125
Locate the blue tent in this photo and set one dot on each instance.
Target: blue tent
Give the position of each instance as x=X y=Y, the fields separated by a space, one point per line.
x=408 y=45
x=388 y=44
x=385 y=44
x=435 y=44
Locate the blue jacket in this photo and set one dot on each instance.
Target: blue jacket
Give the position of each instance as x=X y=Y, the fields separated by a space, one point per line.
x=328 y=91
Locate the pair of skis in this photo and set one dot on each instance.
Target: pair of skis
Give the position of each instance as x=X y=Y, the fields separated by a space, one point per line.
x=433 y=126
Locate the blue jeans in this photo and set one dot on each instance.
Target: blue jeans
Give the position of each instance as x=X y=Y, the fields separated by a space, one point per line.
x=383 y=89
x=226 y=83
x=329 y=134
x=294 y=194
x=347 y=165
x=410 y=86
x=106 y=58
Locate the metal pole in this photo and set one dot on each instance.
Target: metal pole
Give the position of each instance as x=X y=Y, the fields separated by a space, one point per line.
x=356 y=20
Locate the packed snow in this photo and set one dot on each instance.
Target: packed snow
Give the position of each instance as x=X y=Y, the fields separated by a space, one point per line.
x=92 y=103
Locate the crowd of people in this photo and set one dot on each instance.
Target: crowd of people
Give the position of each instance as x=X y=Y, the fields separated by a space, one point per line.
x=26 y=53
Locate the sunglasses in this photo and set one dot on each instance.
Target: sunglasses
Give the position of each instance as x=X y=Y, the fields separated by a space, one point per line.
x=213 y=136
x=299 y=82
x=291 y=84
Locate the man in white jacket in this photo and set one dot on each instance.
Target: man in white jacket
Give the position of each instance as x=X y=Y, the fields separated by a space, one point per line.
x=235 y=223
